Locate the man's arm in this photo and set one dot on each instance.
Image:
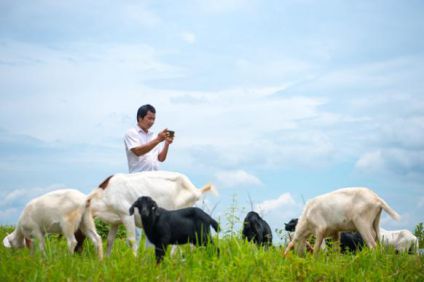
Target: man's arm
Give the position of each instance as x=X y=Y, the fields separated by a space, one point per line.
x=162 y=155
x=145 y=148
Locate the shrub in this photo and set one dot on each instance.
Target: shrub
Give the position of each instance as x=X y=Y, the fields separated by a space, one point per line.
x=419 y=232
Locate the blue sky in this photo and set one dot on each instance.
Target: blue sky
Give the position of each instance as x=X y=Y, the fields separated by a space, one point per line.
x=279 y=100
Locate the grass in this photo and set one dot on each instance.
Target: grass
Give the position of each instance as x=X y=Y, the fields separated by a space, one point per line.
x=238 y=261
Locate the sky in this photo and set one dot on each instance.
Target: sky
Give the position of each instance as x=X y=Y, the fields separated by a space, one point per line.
x=274 y=102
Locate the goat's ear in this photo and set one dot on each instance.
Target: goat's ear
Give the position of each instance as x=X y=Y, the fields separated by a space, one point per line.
x=155 y=210
x=131 y=210
x=257 y=226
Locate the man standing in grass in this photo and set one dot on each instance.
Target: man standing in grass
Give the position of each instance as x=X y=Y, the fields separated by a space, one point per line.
x=144 y=150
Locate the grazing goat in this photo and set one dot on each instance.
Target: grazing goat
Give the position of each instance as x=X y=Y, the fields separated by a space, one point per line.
x=112 y=199
x=290 y=227
x=163 y=227
x=402 y=240
x=64 y=212
x=347 y=209
x=349 y=241
x=257 y=230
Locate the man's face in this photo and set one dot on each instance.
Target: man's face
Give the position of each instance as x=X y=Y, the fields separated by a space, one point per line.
x=147 y=122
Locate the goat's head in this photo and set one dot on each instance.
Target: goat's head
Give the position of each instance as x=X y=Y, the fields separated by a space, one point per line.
x=291 y=226
x=13 y=241
x=146 y=206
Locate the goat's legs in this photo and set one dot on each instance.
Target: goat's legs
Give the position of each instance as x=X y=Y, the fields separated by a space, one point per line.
x=160 y=253
x=289 y=247
x=366 y=234
x=318 y=241
x=129 y=224
x=111 y=238
x=68 y=232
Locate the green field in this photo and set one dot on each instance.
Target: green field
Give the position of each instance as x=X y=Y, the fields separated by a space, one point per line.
x=238 y=261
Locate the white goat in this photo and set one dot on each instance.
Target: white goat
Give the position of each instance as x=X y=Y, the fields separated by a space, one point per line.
x=348 y=209
x=112 y=199
x=402 y=240
x=62 y=212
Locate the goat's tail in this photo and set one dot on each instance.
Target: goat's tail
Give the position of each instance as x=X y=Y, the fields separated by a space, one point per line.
x=187 y=184
x=97 y=193
x=209 y=188
x=87 y=216
x=393 y=214
x=215 y=224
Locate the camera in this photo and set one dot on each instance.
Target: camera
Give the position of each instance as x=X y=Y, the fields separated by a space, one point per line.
x=170 y=133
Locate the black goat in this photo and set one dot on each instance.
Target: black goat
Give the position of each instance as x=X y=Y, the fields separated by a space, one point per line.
x=164 y=227
x=291 y=226
x=351 y=241
x=257 y=230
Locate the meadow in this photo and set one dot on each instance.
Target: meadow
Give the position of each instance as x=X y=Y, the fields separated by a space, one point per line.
x=238 y=261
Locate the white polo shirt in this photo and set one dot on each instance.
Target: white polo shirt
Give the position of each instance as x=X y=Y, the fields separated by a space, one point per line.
x=149 y=161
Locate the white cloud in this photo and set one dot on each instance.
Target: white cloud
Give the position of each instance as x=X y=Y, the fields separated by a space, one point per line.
x=80 y=18
x=86 y=82
x=13 y=202
x=188 y=37
x=297 y=71
x=406 y=131
x=223 y=6
x=23 y=196
x=371 y=161
x=279 y=211
x=283 y=201
x=8 y=214
x=137 y=13
x=292 y=126
x=406 y=219
x=371 y=73
x=397 y=161
x=237 y=178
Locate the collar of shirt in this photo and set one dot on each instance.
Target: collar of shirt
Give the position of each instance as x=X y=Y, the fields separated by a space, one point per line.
x=141 y=131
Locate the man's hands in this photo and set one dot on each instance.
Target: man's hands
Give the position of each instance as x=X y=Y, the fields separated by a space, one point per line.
x=165 y=136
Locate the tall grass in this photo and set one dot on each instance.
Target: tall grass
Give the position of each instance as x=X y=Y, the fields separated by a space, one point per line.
x=238 y=261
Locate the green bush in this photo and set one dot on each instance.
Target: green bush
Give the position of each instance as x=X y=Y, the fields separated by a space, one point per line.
x=419 y=232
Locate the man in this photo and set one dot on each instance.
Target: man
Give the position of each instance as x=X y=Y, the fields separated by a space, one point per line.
x=144 y=149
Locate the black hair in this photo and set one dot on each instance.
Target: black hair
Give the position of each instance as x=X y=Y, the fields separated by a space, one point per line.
x=142 y=111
